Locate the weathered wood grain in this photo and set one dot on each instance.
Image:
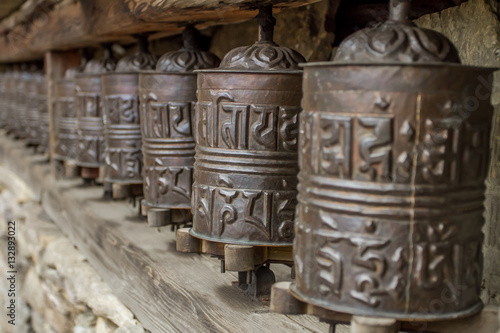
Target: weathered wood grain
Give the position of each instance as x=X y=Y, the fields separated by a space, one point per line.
x=166 y=290
x=73 y=24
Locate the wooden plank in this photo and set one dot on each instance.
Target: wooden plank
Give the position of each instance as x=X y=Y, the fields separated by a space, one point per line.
x=73 y=24
x=167 y=291
x=283 y=302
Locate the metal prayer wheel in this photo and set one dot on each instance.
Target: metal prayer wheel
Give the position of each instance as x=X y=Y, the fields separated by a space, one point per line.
x=246 y=128
x=10 y=100
x=3 y=98
x=20 y=114
x=65 y=121
x=120 y=91
x=33 y=136
x=43 y=112
x=167 y=100
x=393 y=151
x=90 y=127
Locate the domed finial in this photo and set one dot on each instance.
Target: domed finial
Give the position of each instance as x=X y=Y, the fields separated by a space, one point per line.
x=397 y=41
x=102 y=65
x=189 y=58
x=265 y=54
x=141 y=60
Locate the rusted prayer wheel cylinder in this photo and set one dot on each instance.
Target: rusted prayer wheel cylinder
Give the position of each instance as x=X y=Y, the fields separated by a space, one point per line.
x=120 y=91
x=246 y=127
x=32 y=113
x=167 y=98
x=43 y=112
x=10 y=101
x=90 y=127
x=65 y=122
x=393 y=151
x=21 y=105
x=3 y=98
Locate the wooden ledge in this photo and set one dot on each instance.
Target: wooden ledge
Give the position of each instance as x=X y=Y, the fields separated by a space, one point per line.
x=167 y=291
x=71 y=24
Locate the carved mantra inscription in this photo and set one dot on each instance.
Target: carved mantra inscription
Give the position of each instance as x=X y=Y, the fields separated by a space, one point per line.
x=252 y=198
x=224 y=123
x=168 y=152
x=391 y=192
x=361 y=148
x=66 y=136
x=91 y=145
x=123 y=138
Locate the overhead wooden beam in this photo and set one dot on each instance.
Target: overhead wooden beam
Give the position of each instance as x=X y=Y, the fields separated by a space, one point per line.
x=74 y=24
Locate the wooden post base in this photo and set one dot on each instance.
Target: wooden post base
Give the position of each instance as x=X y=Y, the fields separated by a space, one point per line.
x=71 y=170
x=124 y=191
x=283 y=302
x=89 y=173
x=255 y=277
x=161 y=217
x=237 y=258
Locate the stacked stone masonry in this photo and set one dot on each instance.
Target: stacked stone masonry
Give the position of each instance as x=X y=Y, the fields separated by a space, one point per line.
x=57 y=290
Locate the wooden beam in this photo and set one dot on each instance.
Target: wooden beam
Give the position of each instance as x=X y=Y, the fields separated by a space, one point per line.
x=283 y=302
x=74 y=24
x=167 y=291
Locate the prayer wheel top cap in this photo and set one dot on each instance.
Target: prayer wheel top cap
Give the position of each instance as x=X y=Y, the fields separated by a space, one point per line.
x=102 y=65
x=189 y=58
x=71 y=72
x=265 y=54
x=141 y=60
x=397 y=41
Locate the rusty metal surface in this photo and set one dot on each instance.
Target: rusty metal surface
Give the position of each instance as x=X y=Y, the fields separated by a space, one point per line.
x=120 y=93
x=393 y=158
x=167 y=107
x=32 y=113
x=10 y=91
x=122 y=129
x=246 y=127
x=90 y=127
x=20 y=111
x=3 y=98
x=43 y=113
x=65 y=122
x=168 y=97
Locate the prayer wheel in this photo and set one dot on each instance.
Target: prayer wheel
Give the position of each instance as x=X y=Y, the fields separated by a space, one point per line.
x=10 y=100
x=90 y=127
x=33 y=136
x=65 y=121
x=246 y=129
x=393 y=151
x=122 y=129
x=4 y=77
x=43 y=112
x=167 y=100
x=20 y=125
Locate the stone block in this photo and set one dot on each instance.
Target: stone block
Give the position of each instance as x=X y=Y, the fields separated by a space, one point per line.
x=104 y=325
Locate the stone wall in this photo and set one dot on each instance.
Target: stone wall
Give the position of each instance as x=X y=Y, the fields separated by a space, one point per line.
x=474 y=28
x=57 y=291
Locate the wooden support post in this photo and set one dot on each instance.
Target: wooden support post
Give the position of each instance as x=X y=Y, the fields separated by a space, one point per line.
x=56 y=64
x=373 y=325
x=158 y=217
